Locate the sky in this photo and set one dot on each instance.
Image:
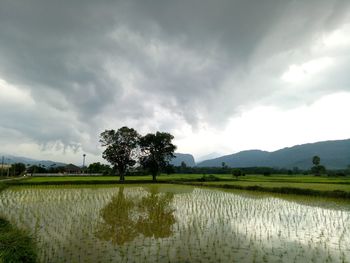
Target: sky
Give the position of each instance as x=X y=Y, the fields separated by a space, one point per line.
x=221 y=76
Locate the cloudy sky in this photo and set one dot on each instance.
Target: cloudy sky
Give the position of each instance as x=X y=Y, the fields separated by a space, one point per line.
x=222 y=76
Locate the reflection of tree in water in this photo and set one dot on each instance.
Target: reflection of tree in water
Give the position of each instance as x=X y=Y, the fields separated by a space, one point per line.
x=125 y=219
x=158 y=216
x=118 y=225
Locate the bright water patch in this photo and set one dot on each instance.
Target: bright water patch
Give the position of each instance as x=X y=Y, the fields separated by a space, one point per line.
x=168 y=223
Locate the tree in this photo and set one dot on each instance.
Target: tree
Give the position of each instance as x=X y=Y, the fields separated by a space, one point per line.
x=36 y=169
x=157 y=150
x=121 y=148
x=17 y=169
x=224 y=166
x=99 y=168
x=237 y=173
x=316 y=160
x=317 y=169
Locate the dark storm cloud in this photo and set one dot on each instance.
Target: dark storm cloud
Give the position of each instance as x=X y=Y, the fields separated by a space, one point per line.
x=116 y=62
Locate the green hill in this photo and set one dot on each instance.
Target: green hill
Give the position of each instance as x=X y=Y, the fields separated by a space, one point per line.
x=333 y=154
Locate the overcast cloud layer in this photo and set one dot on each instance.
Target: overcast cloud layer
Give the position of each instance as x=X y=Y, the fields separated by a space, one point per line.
x=222 y=75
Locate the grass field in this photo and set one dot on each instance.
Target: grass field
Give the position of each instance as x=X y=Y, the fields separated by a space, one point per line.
x=189 y=177
x=115 y=179
x=321 y=186
x=299 y=184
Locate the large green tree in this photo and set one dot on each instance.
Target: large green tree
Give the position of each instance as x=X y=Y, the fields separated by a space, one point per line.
x=121 y=148
x=157 y=150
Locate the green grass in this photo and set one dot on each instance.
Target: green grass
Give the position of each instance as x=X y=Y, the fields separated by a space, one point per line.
x=313 y=186
x=298 y=184
x=295 y=179
x=107 y=179
x=15 y=244
x=2 y=186
x=256 y=179
x=162 y=177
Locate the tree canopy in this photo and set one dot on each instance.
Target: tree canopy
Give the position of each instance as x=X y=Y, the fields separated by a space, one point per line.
x=121 y=148
x=157 y=150
x=316 y=160
x=125 y=148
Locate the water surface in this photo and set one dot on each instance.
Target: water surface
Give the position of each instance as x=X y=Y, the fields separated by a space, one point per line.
x=168 y=223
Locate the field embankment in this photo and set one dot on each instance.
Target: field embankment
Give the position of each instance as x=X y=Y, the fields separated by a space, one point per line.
x=304 y=185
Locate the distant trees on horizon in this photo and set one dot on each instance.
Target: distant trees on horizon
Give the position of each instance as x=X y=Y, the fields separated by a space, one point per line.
x=317 y=169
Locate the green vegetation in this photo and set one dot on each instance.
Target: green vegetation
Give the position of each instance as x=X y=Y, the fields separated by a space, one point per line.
x=336 y=191
x=125 y=148
x=157 y=151
x=121 y=146
x=306 y=185
x=95 y=168
x=16 y=245
x=15 y=169
x=2 y=186
x=178 y=223
x=302 y=185
x=317 y=169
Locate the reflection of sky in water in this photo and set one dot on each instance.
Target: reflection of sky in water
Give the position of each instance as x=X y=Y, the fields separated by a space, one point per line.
x=268 y=221
x=175 y=223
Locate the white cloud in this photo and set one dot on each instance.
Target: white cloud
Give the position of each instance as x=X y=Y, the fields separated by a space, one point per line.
x=10 y=94
x=270 y=128
x=307 y=70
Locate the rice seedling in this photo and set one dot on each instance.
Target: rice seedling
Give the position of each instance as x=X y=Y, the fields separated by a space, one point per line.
x=147 y=224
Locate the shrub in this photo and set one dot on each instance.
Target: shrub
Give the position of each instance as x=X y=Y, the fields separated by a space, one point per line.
x=209 y=178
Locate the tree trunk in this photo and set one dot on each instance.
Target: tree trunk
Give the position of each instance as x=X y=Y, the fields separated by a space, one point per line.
x=154 y=176
x=122 y=177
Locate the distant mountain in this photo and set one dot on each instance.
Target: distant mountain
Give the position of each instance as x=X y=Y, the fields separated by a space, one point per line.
x=333 y=154
x=182 y=157
x=208 y=156
x=10 y=159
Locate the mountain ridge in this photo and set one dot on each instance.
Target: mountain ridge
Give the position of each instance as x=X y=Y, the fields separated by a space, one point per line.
x=187 y=158
x=11 y=159
x=334 y=154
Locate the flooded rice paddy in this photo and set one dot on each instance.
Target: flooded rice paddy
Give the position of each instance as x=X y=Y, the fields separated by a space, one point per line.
x=168 y=223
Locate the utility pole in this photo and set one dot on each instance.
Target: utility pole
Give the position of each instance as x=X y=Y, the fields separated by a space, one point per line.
x=84 y=155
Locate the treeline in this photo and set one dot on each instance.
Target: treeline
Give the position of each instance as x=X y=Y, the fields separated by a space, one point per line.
x=15 y=169
x=254 y=170
x=170 y=169
x=105 y=169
